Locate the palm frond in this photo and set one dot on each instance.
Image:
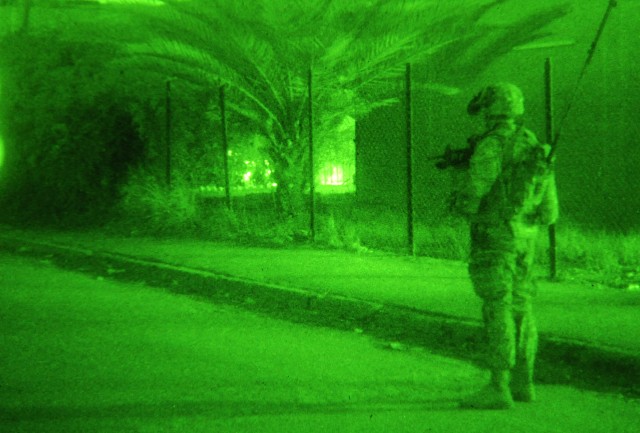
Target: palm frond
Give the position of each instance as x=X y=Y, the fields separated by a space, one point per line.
x=201 y=68
x=487 y=45
x=264 y=53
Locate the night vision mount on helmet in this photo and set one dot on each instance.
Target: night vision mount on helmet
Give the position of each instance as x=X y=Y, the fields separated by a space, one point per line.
x=500 y=99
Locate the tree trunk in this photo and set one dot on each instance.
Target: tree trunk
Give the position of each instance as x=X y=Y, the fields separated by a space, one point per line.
x=290 y=191
x=289 y=173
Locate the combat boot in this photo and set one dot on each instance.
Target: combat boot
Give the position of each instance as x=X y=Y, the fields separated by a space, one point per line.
x=495 y=395
x=522 y=387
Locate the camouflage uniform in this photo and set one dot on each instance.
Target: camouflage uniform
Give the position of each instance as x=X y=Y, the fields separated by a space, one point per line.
x=510 y=193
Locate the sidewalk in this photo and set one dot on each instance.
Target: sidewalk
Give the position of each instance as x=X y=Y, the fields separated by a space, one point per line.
x=582 y=320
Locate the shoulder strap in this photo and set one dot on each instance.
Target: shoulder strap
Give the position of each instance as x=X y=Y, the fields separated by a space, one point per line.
x=507 y=138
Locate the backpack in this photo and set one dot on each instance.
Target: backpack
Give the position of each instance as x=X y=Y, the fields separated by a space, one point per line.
x=526 y=172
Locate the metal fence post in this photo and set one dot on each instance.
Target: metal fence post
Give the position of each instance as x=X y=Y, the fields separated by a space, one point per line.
x=550 y=139
x=26 y=14
x=409 y=137
x=312 y=186
x=225 y=148
x=168 y=134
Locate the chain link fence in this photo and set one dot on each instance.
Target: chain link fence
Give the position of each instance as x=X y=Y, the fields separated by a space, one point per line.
x=376 y=185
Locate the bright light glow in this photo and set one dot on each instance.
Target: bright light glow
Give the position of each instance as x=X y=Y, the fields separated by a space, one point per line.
x=247 y=177
x=332 y=175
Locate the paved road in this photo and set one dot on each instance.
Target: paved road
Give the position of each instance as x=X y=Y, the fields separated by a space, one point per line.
x=87 y=355
x=573 y=310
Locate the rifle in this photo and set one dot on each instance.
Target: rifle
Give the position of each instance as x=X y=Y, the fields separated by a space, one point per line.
x=457 y=158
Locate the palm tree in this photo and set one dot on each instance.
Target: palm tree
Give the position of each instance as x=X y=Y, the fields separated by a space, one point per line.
x=262 y=53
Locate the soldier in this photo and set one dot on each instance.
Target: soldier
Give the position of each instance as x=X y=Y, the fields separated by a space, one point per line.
x=509 y=194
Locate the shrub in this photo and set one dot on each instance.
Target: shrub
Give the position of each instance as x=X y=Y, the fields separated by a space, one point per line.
x=149 y=206
x=70 y=139
x=597 y=250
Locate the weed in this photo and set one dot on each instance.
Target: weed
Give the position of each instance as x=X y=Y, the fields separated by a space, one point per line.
x=342 y=223
x=153 y=208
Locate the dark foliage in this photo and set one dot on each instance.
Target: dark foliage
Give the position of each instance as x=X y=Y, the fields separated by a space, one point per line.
x=70 y=137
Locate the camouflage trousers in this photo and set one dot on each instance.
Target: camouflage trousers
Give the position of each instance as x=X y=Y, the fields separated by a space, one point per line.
x=500 y=265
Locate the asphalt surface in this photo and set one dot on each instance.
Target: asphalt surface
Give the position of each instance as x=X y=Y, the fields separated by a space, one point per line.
x=83 y=353
x=589 y=335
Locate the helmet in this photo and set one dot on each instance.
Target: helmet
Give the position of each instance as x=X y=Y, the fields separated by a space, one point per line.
x=500 y=99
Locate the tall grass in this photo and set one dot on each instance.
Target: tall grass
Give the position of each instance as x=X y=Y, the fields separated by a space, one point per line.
x=615 y=257
x=149 y=207
x=341 y=223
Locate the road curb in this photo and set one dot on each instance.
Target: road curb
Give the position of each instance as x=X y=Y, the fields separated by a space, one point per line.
x=561 y=361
